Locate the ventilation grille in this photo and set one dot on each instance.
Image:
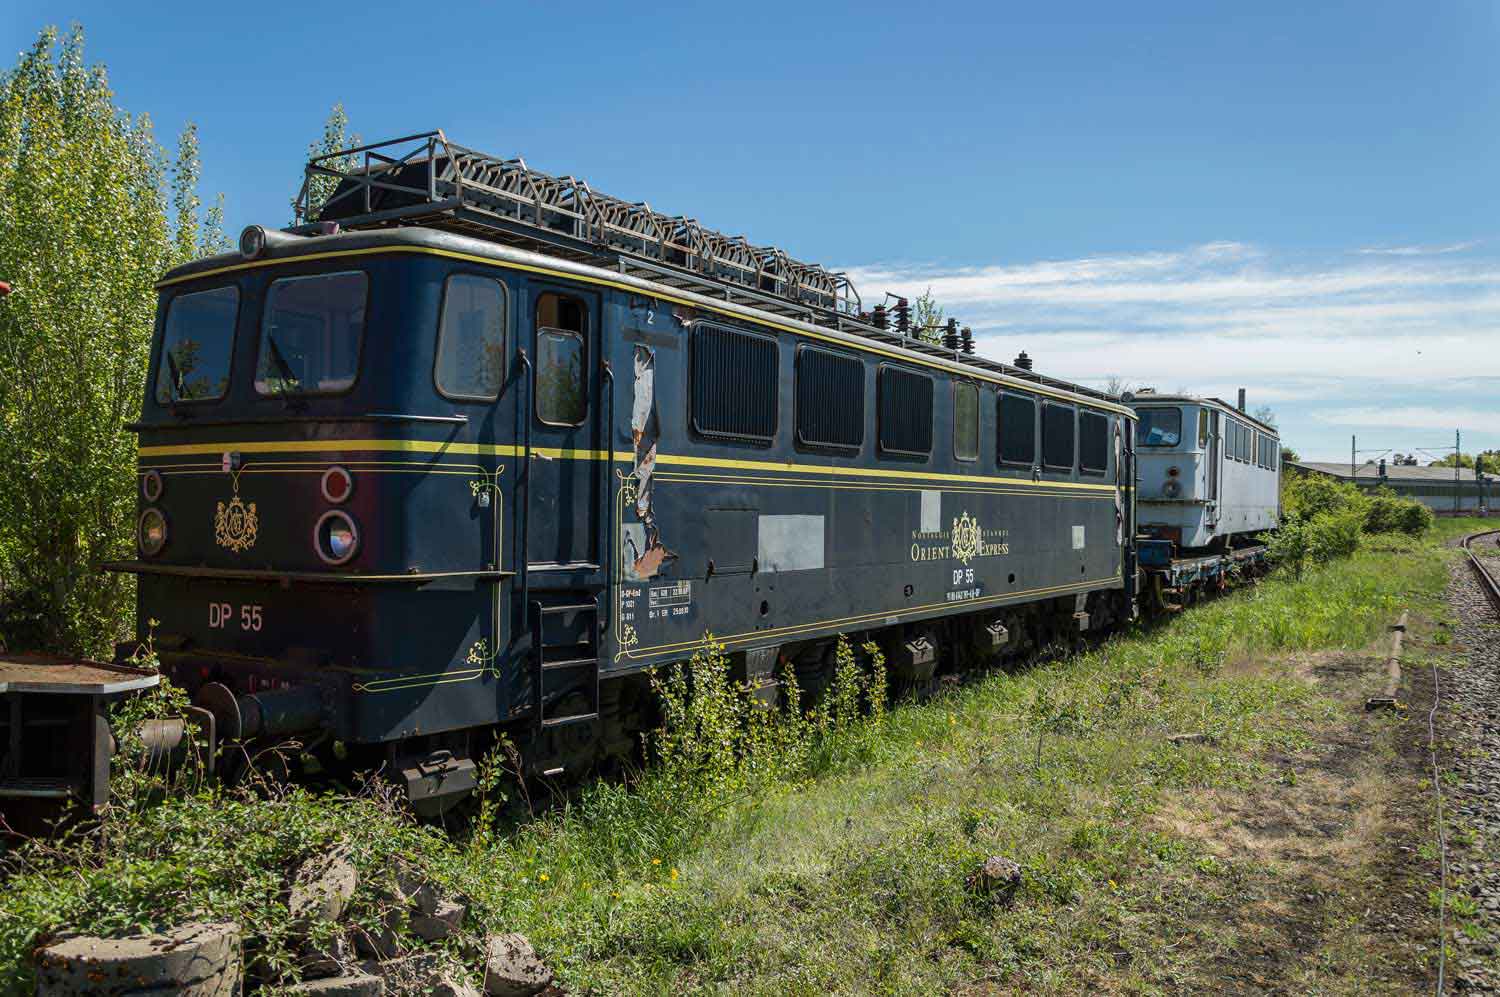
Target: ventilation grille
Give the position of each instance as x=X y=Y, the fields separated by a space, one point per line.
x=905 y=412
x=1017 y=429
x=830 y=399
x=734 y=385
x=1057 y=436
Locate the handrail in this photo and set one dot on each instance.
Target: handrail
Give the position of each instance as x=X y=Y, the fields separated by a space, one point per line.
x=311 y=577
x=605 y=506
x=194 y=423
x=525 y=485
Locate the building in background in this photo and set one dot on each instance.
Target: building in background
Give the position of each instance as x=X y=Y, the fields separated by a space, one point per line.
x=1435 y=487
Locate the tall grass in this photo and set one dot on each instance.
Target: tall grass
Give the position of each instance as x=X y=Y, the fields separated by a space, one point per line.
x=820 y=850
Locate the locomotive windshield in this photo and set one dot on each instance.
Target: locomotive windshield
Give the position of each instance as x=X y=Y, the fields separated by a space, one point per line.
x=1160 y=427
x=197 y=341
x=311 y=334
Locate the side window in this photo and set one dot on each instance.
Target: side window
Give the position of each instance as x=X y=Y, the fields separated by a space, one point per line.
x=1017 y=435
x=1057 y=436
x=830 y=399
x=471 y=338
x=905 y=411
x=561 y=381
x=1203 y=427
x=197 y=343
x=734 y=390
x=1093 y=442
x=965 y=420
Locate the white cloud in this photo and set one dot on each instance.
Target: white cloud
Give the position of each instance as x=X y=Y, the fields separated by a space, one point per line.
x=1415 y=417
x=1316 y=337
x=1455 y=247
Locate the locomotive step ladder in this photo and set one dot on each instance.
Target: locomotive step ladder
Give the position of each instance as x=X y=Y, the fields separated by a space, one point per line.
x=565 y=659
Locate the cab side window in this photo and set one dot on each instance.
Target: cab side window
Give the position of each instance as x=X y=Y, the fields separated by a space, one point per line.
x=471 y=338
x=561 y=399
x=1093 y=442
x=965 y=420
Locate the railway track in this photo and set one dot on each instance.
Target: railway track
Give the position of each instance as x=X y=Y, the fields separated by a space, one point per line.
x=1489 y=573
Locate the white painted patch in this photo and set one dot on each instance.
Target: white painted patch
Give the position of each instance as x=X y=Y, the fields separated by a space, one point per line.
x=676 y=594
x=790 y=543
x=1078 y=538
x=932 y=511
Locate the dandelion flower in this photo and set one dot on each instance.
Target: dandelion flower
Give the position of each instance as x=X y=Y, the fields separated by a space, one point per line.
x=543 y=877
x=674 y=875
x=656 y=861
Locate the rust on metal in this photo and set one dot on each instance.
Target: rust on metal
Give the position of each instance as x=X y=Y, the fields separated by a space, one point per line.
x=59 y=674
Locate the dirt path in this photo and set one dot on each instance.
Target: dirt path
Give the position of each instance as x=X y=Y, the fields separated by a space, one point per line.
x=1327 y=892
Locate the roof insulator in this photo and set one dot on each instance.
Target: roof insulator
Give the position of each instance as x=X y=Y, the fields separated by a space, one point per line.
x=950 y=335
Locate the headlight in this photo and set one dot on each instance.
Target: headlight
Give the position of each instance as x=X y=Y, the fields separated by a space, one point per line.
x=151 y=485
x=252 y=241
x=1172 y=488
x=151 y=532
x=335 y=538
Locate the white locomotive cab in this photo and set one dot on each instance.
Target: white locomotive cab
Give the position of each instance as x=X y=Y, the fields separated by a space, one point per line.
x=1208 y=474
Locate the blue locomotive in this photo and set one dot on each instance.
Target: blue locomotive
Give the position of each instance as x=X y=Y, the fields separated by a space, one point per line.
x=476 y=447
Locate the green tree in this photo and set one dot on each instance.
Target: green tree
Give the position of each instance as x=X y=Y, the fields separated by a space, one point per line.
x=86 y=229
x=927 y=318
x=336 y=138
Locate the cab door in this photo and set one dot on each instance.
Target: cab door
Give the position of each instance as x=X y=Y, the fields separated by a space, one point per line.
x=1215 y=467
x=566 y=471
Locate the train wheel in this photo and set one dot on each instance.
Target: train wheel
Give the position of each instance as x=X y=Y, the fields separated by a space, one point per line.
x=814 y=671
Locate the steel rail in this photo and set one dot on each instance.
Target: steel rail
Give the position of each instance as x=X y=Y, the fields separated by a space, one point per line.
x=1488 y=579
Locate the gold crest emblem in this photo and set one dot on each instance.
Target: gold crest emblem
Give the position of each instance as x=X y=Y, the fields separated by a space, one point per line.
x=235 y=525
x=965 y=539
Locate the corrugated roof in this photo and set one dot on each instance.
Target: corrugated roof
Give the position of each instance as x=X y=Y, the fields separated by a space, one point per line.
x=1393 y=472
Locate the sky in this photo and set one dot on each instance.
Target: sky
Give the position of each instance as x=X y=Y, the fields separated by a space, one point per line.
x=1297 y=199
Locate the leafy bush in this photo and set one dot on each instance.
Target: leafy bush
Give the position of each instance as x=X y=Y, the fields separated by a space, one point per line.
x=718 y=739
x=1415 y=518
x=1333 y=535
x=1303 y=542
x=1325 y=519
x=1307 y=496
x=1386 y=512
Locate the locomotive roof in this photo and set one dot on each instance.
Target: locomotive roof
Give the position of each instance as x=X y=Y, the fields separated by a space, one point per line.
x=1153 y=398
x=416 y=239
